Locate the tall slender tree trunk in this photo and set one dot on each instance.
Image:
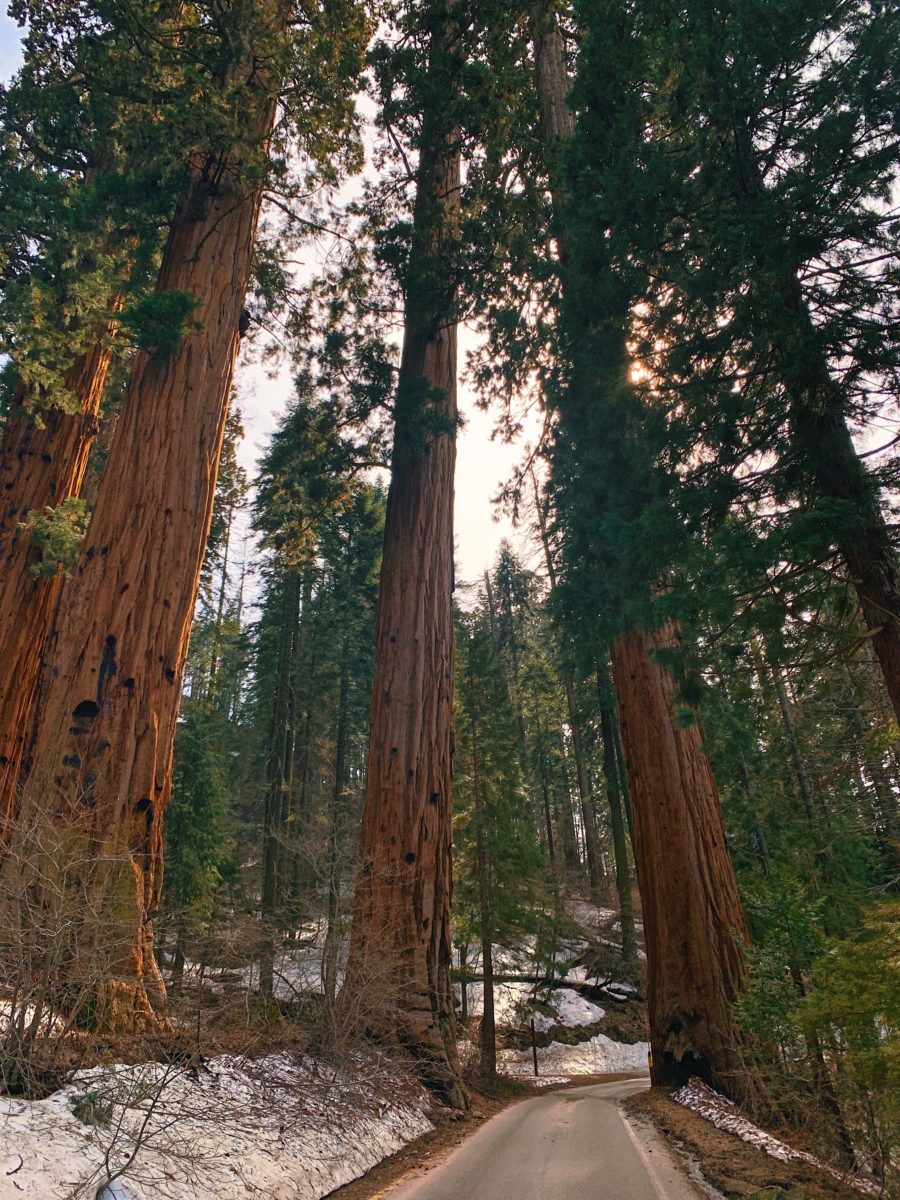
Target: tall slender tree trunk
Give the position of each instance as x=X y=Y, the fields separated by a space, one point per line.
x=304 y=671
x=693 y=920
x=464 y=983
x=110 y=689
x=331 y=951
x=759 y=833
x=585 y=795
x=606 y=696
x=279 y=771
x=488 y=1018
x=771 y=677
x=39 y=468
x=545 y=797
x=515 y=692
x=401 y=938
x=215 y=657
x=566 y=812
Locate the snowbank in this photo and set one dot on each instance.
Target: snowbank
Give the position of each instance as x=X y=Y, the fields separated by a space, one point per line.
x=596 y=1057
x=727 y=1116
x=571 y=1010
x=285 y=1127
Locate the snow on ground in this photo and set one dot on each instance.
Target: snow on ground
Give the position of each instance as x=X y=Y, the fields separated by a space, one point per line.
x=285 y=1127
x=595 y=1057
x=590 y=916
x=571 y=1010
x=727 y=1116
x=509 y=999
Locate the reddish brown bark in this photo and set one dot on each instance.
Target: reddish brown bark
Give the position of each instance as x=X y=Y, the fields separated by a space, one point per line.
x=401 y=942
x=693 y=919
x=110 y=689
x=39 y=468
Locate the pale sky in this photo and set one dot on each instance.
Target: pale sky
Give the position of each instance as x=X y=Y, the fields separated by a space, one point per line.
x=482 y=465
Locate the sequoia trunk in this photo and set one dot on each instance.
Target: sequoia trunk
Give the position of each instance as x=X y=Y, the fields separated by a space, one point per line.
x=693 y=920
x=401 y=942
x=110 y=689
x=39 y=468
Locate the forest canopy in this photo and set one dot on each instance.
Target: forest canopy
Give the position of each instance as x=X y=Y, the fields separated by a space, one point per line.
x=270 y=767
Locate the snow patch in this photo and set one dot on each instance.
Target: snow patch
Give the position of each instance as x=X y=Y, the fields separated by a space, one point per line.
x=572 y=1011
x=720 y=1112
x=285 y=1126
x=598 y=1056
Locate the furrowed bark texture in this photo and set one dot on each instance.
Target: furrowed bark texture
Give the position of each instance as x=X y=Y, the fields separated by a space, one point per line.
x=401 y=941
x=693 y=920
x=39 y=468
x=111 y=684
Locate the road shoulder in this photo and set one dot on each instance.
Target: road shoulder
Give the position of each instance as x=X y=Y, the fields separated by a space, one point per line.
x=728 y=1166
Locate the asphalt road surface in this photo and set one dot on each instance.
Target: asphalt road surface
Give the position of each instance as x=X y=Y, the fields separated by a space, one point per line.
x=569 y=1145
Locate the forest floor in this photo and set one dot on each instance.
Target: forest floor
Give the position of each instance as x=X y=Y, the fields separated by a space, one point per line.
x=732 y=1167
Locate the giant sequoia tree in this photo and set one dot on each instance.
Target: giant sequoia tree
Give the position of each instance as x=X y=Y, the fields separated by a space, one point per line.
x=598 y=441
x=84 y=178
x=401 y=928
x=758 y=226
x=110 y=690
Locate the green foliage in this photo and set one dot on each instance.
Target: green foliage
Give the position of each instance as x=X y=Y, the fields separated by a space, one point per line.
x=855 y=1003
x=496 y=820
x=196 y=834
x=160 y=321
x=92 y=1108
x=787 y=939
x=57 y=533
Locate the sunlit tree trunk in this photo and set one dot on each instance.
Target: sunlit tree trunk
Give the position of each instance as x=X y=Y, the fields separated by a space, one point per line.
x=110 y=688
x=40 y=467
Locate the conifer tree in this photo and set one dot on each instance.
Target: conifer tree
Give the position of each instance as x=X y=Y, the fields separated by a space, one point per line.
x=601 y=421
x=401 y=922
x=84 y=195
x=500 y=873
x=758 y=239
x=111 y=687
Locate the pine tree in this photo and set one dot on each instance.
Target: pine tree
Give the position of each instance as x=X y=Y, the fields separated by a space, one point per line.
x=194 y=831
x=758 y=241
x=500 y=893
x=601 y=461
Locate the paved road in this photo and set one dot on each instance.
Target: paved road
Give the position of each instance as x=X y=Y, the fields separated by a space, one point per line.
x=568 y=1145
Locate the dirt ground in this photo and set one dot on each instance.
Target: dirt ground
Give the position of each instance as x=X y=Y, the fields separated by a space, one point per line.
x=733 y=1167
